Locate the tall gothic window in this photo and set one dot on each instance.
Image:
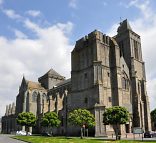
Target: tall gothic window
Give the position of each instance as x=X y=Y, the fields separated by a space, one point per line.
x=34 y=97
x=136 y=51
x=125 y=83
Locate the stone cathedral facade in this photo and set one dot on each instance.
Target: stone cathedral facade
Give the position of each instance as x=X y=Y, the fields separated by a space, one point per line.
x=106 y=71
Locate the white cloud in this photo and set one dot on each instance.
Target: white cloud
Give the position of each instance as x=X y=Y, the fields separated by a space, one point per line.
x=32 y=57
x=33 y=13
x=112 y=30
x=1 y=2
x=73 y=4
x=11 y=14
x=145 y=26
x=20 y=34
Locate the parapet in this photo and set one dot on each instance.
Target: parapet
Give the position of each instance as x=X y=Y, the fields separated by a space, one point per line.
x=91 y=37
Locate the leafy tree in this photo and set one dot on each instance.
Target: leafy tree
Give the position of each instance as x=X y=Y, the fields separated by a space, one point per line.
x=82 y=118
x=115 y=116
x=153 y=117
x=50 y=119
x=26 y=119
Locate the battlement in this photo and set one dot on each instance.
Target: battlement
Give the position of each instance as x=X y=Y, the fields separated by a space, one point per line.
x=95 y=35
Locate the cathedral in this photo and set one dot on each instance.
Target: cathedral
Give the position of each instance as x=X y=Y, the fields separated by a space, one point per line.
x=105 y=71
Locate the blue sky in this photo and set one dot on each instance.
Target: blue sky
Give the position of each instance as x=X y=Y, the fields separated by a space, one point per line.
x=38 y=35
x=86 y=15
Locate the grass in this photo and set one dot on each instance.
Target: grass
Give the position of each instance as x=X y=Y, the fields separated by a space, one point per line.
x=41 y=139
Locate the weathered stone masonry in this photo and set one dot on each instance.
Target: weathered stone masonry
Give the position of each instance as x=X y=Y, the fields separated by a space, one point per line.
x=106 y=71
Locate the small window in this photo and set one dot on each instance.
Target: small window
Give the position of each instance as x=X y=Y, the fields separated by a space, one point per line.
x=86 y=100
x=110 y=99
x=85 y=76
x=125 y=83
x=108 y=74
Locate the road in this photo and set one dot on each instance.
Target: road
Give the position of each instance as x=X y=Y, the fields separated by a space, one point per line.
x=6 y=139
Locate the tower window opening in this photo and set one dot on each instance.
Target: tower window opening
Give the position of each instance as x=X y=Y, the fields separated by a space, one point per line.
x=109 y=99
x=121 y=45
x=108 y=74
x=125 y=84
x=86 y=100
x=85 y=76
x=136 y=51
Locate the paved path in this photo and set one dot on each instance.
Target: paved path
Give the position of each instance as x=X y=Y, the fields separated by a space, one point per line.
x=7 y=139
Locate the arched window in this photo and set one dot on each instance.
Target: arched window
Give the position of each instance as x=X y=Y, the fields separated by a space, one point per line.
x=125 y=83
x=45 y=97
x=34 y=97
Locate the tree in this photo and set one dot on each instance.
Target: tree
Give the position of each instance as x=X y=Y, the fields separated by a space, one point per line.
x=26 y=119
x=50 y=119
x=82 y=118
x=115 y=116
x=153 y=117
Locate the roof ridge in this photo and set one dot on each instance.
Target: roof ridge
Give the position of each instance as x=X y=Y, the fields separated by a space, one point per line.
x=53 y=72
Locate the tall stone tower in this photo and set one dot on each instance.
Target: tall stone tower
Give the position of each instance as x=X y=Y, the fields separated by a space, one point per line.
x=96 y=77
x=90 y=62
x=130 y=48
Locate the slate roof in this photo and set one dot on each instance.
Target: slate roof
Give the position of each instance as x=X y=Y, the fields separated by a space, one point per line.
x=52 y=72
x=64 y=82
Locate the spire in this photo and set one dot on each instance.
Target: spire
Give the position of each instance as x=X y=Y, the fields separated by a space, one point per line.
x=6 y=112
x=23 y=79
x=124 y=25
x=9 y=110
x=13 y=108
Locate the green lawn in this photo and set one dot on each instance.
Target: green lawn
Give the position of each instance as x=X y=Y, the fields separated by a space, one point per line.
x=40 y=139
